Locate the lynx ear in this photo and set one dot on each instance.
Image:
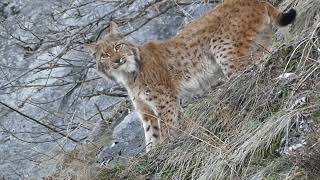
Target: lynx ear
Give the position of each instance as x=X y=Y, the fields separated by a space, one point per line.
x=92 y=47
x=113 y=28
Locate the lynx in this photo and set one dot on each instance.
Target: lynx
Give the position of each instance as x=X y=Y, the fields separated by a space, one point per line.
x=157 y=73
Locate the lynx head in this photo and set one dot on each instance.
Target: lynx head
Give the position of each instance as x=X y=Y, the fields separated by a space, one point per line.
x=115 y=56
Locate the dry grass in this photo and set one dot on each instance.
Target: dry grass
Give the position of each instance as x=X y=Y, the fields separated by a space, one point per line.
x=80 y=163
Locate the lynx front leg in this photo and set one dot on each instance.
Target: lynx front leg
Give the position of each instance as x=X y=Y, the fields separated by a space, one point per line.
x=167 y=110
x=150 y=124
x=168 y=114
x=164 y=104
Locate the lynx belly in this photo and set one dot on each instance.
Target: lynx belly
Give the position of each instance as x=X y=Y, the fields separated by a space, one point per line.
x=206 y=77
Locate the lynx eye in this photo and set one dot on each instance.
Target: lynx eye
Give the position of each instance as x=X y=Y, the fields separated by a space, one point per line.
x=118 y=47
x=105 y=55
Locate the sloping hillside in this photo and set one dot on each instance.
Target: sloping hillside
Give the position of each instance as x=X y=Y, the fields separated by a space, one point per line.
x=261 y=124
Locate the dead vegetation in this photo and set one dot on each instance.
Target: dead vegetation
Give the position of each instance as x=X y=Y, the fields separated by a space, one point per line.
x=262 y=124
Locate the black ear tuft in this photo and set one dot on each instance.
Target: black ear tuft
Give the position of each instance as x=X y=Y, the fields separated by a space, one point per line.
x=288 y=17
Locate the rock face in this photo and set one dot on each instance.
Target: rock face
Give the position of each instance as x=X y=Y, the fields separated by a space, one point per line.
x=128 y=141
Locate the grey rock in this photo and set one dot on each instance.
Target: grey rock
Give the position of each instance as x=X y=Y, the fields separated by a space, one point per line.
x=128 y=141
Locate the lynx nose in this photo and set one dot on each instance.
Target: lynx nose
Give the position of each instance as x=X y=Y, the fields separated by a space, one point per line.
x=119 y=62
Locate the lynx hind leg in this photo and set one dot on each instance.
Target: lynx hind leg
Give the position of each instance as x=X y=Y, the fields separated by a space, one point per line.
x=231 y=57
x=150 y=125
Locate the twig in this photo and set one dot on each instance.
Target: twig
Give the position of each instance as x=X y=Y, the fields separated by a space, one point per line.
x=38 y=122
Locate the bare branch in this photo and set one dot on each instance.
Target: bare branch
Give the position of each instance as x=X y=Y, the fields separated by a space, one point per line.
x=38 y=122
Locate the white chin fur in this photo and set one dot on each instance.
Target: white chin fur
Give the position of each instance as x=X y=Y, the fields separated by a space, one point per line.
x=122 y=74
x=130 y=66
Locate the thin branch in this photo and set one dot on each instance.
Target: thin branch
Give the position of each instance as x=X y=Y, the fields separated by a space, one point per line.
x=38 y=122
